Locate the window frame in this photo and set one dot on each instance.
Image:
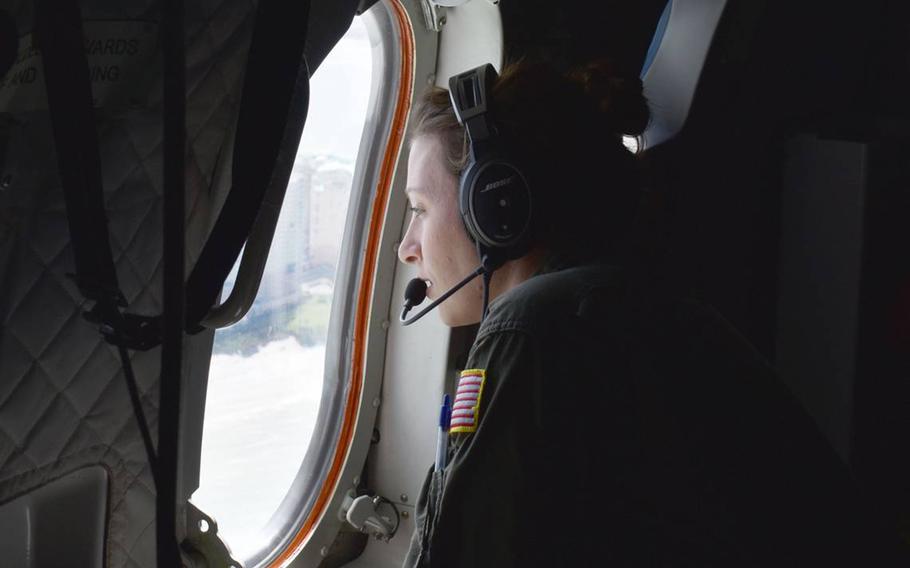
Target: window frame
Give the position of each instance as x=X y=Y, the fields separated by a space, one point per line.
x=303 y=525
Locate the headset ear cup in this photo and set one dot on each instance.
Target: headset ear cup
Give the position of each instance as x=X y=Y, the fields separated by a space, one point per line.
x=494 y=196
x=495 y=204
x=464 y=200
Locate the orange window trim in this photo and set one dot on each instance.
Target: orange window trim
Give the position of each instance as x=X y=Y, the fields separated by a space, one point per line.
x=368 y=270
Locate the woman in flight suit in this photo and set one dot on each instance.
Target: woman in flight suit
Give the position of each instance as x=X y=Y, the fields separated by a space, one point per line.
x=602 y=419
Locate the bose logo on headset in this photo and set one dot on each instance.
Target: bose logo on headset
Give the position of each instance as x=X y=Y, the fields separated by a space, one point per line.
x=499 y=183
x=494 y=197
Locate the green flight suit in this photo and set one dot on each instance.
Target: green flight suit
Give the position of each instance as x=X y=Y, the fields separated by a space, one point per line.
x=619 y=426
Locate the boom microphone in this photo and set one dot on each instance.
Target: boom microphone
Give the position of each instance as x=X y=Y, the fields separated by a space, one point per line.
x=416 y=292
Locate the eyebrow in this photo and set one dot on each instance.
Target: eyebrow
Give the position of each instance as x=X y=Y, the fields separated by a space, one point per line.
x=426 y=191
x=410 y=190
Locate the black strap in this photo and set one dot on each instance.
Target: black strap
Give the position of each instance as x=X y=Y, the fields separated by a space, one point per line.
x=276 y=83
x=59 y=36
x=69 y=93
x=272 y=113
x=173 y=41
x=9 y=41
x=132 y=387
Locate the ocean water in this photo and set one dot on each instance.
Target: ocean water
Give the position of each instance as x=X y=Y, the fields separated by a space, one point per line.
x=260 y=414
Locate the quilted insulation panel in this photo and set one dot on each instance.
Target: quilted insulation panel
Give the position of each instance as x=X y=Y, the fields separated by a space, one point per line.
x=63 y=399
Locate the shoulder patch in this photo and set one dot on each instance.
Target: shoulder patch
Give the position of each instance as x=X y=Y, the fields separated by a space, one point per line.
x=466 y=409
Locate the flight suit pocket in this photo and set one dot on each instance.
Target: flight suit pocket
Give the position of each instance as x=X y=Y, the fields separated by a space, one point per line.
x=427 y=515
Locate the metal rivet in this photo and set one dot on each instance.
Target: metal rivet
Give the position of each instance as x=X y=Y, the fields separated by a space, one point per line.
x=324 y=551
x=376 y=403
x=442 y=21
x=405 y=514
x=6 y=181
x=404 y=497
x=385 y=324
x=356 y=481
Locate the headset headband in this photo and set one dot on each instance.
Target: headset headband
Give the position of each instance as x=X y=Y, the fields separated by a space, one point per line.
x=494 y=197
x=470 y=92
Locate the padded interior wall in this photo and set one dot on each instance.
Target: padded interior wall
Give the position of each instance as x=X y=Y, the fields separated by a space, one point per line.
x=63 y=399
x=58 y=525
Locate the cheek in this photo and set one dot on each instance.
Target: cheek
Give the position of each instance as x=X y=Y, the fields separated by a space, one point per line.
x=438 y=244
x=456 y=246
x=438 y=230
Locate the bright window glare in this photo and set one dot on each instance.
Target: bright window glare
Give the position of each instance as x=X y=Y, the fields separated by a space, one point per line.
x=266 y=375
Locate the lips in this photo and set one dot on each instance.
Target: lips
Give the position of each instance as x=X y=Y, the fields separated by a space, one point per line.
x=429 y=283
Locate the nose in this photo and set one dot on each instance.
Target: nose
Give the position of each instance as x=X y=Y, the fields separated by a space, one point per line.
x=409 y=249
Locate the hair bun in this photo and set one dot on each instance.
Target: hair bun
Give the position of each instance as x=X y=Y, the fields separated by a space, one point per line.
x=619 y=99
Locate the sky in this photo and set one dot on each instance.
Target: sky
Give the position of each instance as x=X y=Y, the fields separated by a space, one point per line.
x=340 y=87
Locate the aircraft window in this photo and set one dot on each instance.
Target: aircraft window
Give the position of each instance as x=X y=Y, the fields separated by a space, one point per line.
x=266 y=377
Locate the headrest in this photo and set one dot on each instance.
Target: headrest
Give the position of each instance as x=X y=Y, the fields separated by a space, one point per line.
x=674 y=64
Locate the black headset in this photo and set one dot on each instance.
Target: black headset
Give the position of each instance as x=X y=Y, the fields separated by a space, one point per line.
x=494 y=196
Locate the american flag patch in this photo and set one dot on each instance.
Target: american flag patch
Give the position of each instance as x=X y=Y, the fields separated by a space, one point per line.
x=466 y=409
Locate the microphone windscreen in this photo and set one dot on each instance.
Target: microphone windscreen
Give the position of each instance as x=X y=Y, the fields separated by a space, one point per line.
x=415 y=293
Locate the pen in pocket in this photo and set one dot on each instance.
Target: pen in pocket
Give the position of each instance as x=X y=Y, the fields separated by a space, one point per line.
x=442 y=441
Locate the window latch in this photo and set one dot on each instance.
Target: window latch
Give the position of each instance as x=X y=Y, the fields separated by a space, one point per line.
x=363 y=513
x=202 y=547
x=434 y=15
